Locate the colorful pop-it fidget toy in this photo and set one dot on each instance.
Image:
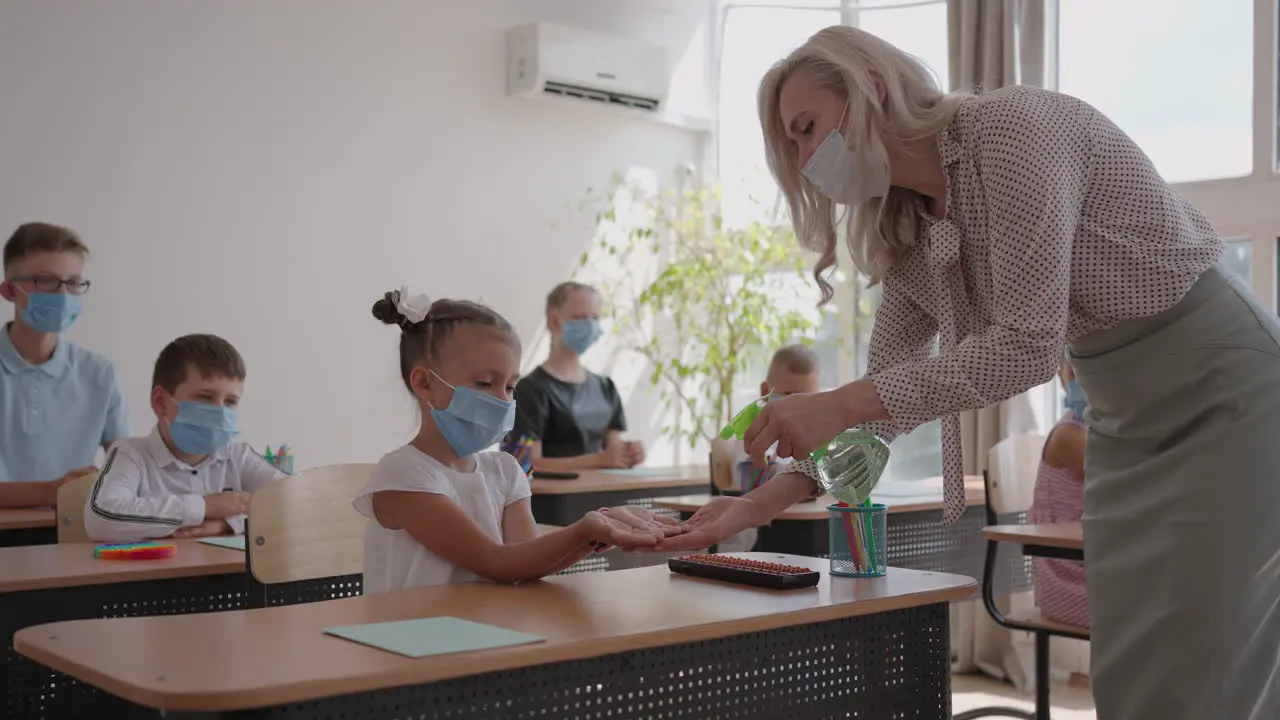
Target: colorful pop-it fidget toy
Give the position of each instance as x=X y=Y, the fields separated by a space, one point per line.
x=135 y=551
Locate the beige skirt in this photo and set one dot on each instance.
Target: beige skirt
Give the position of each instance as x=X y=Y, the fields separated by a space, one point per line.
x=1182 y=508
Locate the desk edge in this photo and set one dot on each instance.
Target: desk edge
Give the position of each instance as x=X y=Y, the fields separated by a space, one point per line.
x=467 y=664
x=991 y=532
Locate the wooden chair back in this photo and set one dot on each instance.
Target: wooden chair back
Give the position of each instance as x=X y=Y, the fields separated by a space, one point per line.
x=305 y=528
x=1012 y=465
x=73 y=496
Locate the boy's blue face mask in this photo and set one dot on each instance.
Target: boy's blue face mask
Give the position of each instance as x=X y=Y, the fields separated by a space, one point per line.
x=51 y=312
x=474 y=420
x=1075 y=402
x=580 y=335
x=203 y=428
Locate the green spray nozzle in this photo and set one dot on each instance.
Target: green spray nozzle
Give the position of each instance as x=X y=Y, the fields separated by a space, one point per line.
x=737 y=428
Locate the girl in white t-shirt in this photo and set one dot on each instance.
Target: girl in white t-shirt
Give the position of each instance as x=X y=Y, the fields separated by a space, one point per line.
x=442 y=509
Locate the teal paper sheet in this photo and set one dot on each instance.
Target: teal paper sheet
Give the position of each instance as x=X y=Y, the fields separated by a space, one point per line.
x=423 y=637
x=233 y=542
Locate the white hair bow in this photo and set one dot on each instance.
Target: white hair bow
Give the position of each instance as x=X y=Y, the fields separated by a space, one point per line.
x=413 y=307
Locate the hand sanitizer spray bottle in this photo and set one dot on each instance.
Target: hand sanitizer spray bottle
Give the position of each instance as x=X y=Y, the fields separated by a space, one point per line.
x=848 y=468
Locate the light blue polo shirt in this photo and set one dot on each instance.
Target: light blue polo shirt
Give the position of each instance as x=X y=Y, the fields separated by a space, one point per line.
x=55 y=416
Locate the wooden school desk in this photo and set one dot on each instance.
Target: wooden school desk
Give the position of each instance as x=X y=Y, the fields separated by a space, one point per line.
x=629 y=644
x=47 y=583
x=917 y=537
x=28 y=526
x=1055 y=540
x=561 y=502
x=1064 y=541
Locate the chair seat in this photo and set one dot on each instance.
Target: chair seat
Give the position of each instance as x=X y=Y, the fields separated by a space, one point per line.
x=1032 y=620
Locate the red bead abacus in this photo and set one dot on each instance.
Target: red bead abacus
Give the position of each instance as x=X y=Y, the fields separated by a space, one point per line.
x=746 y=564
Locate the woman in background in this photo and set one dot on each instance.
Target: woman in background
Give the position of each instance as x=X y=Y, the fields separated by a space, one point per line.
x=573 y=416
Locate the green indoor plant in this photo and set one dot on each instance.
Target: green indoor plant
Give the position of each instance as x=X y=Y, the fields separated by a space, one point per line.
x=700 y=301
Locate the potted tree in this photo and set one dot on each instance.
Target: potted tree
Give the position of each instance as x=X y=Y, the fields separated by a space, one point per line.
x=699 y=300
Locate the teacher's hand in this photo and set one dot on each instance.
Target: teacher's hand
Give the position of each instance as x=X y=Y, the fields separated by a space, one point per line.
x=799 y=424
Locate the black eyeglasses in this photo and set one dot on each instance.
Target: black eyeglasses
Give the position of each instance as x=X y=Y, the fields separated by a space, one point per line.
x=53 y=284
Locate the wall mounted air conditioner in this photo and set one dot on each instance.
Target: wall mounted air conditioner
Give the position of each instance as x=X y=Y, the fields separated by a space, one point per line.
x=546 y=60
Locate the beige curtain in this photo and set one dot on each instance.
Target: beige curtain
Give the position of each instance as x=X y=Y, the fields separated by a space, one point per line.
x=994 y=43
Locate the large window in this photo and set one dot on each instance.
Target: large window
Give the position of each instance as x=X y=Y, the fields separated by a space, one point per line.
x=1177 y=75
x=1194 y=84
x=1237 y=258
x=754 y=36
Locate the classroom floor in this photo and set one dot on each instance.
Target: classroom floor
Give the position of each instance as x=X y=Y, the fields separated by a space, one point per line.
x=975 y=691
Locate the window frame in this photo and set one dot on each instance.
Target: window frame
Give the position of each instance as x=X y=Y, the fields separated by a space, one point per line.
x=849 y=287
x=1242 y=207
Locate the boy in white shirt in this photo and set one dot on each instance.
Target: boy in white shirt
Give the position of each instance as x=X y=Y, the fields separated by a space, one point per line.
x=185 y=479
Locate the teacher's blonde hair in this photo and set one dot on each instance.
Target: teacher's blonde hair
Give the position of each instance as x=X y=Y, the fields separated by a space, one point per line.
x=849 y=62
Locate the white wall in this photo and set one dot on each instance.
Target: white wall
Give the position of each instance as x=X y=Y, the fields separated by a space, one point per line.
x=265 y=170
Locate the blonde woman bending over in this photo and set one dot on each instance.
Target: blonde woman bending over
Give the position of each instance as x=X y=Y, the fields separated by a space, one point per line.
x=1008 y=225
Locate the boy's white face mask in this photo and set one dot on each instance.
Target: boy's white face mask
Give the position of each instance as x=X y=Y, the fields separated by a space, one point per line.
x=845 y=176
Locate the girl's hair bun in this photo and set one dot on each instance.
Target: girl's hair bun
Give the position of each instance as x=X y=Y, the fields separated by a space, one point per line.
x=387 y=311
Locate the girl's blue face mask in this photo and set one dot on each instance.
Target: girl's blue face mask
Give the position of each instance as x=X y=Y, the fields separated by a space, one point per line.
x=580 y=335
x=474 y=420
x=1075 y=401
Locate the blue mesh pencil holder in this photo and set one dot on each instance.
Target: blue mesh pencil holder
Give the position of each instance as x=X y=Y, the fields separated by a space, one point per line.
x=857 y=540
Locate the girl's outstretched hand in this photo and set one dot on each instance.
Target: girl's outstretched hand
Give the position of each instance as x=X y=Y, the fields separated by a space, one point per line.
x=628 y=527
x=644 y=518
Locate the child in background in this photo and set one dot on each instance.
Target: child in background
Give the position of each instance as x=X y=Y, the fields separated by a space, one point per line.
x=185 y=479
x=1059 y=497
x=573 y=416
x=793 y=370
x=442 y=508
x=58 y=402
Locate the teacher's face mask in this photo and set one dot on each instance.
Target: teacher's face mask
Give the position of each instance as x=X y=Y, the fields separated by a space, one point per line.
x=846 y=176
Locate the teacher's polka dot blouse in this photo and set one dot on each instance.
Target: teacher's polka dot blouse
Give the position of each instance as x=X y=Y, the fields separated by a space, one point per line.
x=1056 y=225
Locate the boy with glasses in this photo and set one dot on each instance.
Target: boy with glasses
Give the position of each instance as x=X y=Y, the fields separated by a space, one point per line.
x=58 y=402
